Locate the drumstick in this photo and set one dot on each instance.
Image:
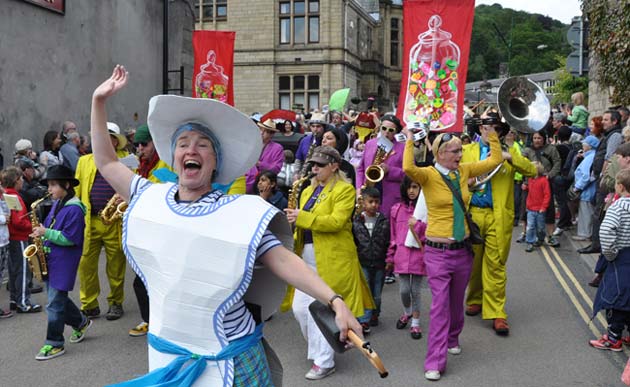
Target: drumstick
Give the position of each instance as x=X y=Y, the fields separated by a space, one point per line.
x=368 y=352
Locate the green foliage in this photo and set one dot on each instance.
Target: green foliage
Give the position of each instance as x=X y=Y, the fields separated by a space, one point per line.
x=528 y=31
x=567 y=84
x=609 y=22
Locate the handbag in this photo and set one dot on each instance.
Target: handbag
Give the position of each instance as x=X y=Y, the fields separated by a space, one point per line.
x=475 y=232
x=572 y=193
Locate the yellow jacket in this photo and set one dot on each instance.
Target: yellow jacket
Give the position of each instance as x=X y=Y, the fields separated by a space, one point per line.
x=502 y=184
x=160 y=164
x=335 y=253
x=85 y=173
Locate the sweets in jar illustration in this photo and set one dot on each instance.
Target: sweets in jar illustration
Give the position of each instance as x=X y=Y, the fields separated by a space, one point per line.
x=431 y=98
x=211 y=82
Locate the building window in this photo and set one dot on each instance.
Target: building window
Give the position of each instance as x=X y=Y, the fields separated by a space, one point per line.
x=298 y=92
x=209 y=10
x=394 y=43
x=299 y=21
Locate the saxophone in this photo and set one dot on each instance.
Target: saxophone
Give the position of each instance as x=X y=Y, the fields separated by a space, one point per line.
x=295 y=190
x=34 y=253
x=112 y=212
x=311 y=148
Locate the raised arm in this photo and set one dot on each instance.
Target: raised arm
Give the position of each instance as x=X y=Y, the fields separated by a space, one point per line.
x=116 y=174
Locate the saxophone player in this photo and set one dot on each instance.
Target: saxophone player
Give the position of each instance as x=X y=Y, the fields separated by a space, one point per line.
x=94 y=192
x=392 y=166
x=19 y=230
x=492 y=208
x=317 y=123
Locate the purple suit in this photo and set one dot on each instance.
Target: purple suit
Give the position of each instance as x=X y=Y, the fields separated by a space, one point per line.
x=393 y=178
x=63 y=261
x=271 y=159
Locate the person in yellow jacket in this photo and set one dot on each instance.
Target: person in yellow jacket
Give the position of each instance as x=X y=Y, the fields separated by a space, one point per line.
x=492 y=208
x=324 y=240
x=94 y=192
x=149 y=163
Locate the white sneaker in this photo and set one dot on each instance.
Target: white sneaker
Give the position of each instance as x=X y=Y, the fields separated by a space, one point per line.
x=316 y=372
x=432 y=375
x=557 y=232
x=455 y=350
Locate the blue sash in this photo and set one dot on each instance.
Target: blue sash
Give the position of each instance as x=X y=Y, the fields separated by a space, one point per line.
x=173 y=376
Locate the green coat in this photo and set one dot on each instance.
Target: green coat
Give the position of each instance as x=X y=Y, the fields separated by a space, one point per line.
x=335 y=253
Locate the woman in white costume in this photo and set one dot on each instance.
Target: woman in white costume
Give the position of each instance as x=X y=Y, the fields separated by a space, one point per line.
x=195 y=248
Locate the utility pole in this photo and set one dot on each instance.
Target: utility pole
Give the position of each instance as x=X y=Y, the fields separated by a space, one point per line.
x=508 y=44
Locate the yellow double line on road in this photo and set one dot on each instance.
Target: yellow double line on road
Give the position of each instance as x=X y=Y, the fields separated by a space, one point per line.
x=578 y=287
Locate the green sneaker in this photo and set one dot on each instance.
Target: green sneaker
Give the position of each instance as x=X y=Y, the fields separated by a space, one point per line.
x=49 y=352
x=79 y=334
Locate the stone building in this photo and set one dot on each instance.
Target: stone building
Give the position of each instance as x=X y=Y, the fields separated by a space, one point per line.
x=296 y=53
x=53 y=59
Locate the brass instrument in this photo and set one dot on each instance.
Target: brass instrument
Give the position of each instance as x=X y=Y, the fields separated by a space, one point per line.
x=479 y=181
x=294 y=192
x=34 y=253
x=374 y=174
x=523 y=104
x=112 y=212
x=311 y=148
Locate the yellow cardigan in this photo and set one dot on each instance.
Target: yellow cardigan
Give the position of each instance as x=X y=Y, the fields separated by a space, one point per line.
x=438 y=196
x=335 y=253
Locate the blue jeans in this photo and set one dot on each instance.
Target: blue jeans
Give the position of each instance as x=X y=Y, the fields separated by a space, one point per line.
x=535 y=226
x=61 y=311
x=375 y=279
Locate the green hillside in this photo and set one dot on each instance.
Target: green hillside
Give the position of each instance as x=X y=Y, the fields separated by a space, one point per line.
x=536 y=42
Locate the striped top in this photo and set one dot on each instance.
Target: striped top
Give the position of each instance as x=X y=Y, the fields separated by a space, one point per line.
x=615 y=228
x=100 y=194
x=238 y=321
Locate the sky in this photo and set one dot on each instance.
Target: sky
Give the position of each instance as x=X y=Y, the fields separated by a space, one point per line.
x=561 y=10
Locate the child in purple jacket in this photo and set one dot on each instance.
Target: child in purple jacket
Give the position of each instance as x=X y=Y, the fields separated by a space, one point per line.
x=62 y=233
x=408 y=262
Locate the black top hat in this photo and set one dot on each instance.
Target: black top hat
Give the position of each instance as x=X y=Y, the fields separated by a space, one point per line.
x=60 y=172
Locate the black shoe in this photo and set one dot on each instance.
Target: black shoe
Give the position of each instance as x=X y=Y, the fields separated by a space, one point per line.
x=374 y=321
x=589 y=250
x=366 y=328
x=36 y=289
x=596 y=280
x=12 y=305
x=31 y=308
x=92 y=313
x=115 y=312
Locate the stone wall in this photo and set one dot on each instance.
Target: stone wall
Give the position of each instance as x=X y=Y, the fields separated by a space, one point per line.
x=51 y=63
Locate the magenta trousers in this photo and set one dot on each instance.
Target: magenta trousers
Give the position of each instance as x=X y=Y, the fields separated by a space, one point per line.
x=448 y=272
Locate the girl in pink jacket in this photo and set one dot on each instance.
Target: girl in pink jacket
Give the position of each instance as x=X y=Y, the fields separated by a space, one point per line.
x=408 y=262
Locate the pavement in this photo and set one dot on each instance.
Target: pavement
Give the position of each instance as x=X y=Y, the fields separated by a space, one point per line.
x=549 y=315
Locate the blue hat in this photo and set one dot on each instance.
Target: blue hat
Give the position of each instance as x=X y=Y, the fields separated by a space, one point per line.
x=592 y=141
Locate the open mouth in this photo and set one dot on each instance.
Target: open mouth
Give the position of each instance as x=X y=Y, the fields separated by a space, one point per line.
x=192 y=164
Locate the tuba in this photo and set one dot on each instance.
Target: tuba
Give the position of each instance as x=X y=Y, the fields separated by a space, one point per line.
x=525 y=107
x=34 y=253
x=112 y=212
x=523 y=104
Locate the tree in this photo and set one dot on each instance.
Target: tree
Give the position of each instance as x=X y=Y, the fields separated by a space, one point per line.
x=609 y=29
x=567 y=84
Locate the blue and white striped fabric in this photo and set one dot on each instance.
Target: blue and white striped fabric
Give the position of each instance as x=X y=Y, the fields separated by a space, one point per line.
x=238 y=321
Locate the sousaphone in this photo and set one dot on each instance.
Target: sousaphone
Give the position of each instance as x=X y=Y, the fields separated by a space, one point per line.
x=523 y=104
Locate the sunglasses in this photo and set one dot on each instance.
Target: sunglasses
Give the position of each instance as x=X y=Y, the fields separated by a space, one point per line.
x=388 y=129
x=446 y=137
x=321 y=165
x=143 y=143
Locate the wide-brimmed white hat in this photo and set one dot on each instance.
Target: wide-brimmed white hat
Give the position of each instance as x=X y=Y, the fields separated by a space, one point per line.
x=237 y=134
x=114 y=130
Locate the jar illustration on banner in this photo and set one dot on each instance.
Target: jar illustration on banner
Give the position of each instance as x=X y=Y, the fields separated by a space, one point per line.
x=431 y=98
x=211 y=82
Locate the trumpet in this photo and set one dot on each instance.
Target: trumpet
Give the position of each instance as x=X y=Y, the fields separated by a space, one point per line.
x=112 y=212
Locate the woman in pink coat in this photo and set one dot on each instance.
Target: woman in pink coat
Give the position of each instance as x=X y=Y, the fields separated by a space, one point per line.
x=408 y=262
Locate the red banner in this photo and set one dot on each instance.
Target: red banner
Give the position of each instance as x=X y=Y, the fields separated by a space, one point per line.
x=437 y=43
x=214 y=65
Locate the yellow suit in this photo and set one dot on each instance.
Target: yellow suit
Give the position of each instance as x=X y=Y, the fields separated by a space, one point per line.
x=488 y=278
x=335 y=253
x=97 y=236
